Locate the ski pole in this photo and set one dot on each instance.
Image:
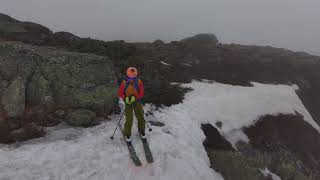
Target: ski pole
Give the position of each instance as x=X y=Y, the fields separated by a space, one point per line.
x=117 y=125
x=150 y=129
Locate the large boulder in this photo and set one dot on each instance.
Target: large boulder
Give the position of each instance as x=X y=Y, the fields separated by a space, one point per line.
x=28 y=132
x=16 y=61
x=158 y=43
x=233 y=164
x=32 y=76
x=81 y=117
x=39 y=91
x=13 y=99
x=79 y=80
x=200 y=39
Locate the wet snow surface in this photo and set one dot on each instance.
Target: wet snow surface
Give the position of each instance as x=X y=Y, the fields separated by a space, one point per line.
x=77 y=153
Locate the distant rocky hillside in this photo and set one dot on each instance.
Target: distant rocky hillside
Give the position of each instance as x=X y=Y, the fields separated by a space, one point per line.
x=238 y=65
x=11 y=29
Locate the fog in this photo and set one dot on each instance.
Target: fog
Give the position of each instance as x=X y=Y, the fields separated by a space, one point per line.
x=292 y=24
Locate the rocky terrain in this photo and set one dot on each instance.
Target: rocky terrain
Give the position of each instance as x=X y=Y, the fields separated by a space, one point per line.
x=42 y=86
x=47 y=78
x=274 y=143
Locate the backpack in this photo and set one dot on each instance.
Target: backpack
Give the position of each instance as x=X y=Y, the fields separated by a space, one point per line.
x=135 y=84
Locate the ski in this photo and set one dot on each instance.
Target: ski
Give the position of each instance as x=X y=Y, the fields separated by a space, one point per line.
x=147 y=151
x=134 y=155
x=135 y=159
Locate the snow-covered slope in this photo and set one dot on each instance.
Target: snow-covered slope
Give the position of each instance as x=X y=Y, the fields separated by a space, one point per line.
x=238 y=106
x=76 y=153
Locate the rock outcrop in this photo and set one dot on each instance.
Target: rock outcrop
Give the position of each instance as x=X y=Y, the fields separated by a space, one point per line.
x=13 y=98
x=200 y=40
x=274 y=143
x=53 y=79
x=81 y=117
x=29 y=32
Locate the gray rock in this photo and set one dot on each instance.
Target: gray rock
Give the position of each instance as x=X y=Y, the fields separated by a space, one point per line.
x=80 y=80
x=288 y=171
x=201 y=39
x=157 y=123
x=158 y=43
x=57 y=78
x=87 y=86
x=13 y=99
x=81 y=117
x=16 y=60
x=59 y=114
x=4 y=84
x=28 y=132
x=233 y=164
x=39 y=92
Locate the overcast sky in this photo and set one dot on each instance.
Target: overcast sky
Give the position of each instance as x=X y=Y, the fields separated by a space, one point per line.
x=292 y=24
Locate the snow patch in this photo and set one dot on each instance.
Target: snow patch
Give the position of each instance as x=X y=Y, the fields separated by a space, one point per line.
x=235 y=136
x=295 y=87
x=265 y=172
x=164 y=63
x=186 y=64
x=237 y=106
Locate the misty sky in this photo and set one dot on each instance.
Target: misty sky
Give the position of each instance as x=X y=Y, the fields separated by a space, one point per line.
x=292 y=24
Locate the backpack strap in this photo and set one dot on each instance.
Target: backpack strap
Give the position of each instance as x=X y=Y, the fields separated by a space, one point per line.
x=126 y=84
x=135 y=84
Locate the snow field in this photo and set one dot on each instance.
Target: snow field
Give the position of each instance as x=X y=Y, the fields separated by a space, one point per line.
x=77 y=153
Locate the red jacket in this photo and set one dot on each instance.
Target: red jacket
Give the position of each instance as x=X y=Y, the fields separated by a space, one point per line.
x=122 y=93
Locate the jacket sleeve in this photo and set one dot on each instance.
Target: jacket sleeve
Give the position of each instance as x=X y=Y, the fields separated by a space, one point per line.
x=121 y=90
x=141 y=90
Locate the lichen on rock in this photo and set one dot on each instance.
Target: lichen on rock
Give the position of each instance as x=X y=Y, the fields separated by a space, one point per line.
x=81 y=117
x=13 y=98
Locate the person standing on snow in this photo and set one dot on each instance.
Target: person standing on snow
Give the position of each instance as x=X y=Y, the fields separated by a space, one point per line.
x=131 y=90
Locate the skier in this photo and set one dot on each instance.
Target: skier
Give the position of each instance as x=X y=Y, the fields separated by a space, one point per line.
x=131 y=90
